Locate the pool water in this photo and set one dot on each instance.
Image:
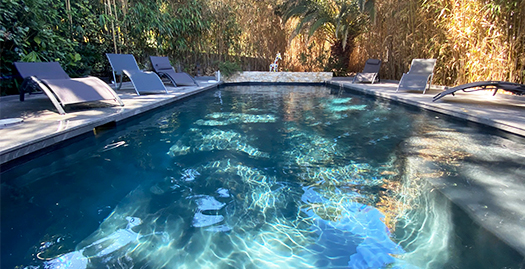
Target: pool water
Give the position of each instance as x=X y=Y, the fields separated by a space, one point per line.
x=244 y=177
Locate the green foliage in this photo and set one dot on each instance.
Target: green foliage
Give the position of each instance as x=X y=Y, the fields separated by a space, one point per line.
x=224 y=30
x=46 y=30
x=229 y=68
x=341 y=21
x=192 y=32
x=12 y=38
x=239 y=33
x=78 y=35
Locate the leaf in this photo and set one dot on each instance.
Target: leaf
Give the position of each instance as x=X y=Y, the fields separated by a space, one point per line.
x=320 y=22
x=31 y=57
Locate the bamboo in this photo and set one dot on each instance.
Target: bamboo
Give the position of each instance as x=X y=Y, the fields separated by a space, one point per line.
x=110 y=9
x=472 y=40
x=70 y=17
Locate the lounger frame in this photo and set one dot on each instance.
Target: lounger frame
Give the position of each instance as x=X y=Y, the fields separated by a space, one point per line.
x=516 y=88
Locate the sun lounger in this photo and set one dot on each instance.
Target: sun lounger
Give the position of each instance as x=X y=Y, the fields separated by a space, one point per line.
x=143 y=82
x=370 y=72
x=162 y=67
x=518 y=89
x=60 y=88
x=419 y=77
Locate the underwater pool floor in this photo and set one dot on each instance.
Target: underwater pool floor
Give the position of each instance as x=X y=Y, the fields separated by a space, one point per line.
x=471 y=197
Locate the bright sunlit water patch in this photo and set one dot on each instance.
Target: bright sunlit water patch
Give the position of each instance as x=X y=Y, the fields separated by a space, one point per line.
x=243 y=177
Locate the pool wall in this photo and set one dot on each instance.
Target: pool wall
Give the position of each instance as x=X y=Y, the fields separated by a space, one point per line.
x=272 y=77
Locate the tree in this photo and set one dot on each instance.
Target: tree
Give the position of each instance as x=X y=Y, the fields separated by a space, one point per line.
x=341 y=21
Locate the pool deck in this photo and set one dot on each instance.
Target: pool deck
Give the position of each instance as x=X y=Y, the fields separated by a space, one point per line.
x=43 y=127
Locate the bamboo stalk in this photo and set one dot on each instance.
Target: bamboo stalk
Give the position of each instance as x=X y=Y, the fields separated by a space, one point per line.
x=110 y=9
x=70 y=17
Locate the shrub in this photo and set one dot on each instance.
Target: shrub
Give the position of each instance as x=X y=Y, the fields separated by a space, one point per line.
x=229 y=68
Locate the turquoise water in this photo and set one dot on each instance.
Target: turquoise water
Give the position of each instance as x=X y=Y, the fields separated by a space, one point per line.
x=244 y=177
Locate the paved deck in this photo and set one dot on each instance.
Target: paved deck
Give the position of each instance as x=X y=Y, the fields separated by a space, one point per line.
x=43 y=127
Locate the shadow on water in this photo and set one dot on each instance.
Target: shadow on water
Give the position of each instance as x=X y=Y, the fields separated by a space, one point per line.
x=478 y=248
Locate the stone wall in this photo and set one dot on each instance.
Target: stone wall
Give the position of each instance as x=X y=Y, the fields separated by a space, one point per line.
x=280 y=77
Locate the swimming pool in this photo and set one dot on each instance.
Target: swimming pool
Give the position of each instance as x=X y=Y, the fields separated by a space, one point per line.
x=253 y=177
